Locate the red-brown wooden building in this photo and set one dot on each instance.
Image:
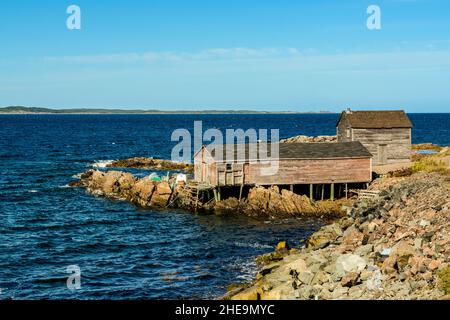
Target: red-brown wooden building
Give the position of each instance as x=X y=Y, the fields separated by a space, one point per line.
x=298 y=164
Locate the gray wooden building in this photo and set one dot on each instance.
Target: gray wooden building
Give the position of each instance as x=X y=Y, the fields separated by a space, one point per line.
x=386 y=134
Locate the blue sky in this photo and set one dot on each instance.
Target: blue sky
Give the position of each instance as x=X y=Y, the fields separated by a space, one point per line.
x=261 y=55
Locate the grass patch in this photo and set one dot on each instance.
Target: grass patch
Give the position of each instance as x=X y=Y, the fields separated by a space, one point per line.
x=431 y=164
x=444 y=276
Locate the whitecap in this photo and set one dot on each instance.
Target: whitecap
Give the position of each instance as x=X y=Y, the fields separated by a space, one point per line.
x=102 y=163
x=253 y=245
x=32 y=191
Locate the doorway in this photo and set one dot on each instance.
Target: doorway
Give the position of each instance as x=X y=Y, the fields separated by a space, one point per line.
x=382 y=154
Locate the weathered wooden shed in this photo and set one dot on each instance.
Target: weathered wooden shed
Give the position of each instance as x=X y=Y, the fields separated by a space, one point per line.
x=386 y=134
x=297 y=163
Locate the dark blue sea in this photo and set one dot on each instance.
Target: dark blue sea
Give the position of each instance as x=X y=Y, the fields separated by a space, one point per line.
x=125 y=252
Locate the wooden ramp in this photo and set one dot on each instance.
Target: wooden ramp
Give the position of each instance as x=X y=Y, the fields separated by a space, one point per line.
x=366 y=194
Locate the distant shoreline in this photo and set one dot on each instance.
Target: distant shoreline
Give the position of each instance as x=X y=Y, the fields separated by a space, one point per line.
x=162 y=113
x=46 y=111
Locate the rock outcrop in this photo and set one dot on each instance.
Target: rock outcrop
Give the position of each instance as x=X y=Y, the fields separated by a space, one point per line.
x=150 y=163
x=395 y=246
x=307 y=139
x=124 y=186
x=273 y=203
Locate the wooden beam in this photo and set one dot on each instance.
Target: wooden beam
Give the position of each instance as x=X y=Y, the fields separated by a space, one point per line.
x=323 y=191
x=346 y=191
x=292 y=188
x=311 y=189
x=240 y=192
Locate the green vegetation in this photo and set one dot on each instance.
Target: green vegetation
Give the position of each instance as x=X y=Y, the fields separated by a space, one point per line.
x=444 y=277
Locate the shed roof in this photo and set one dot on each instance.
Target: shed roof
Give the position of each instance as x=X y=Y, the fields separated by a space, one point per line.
x=377 y=119
x=335 y=150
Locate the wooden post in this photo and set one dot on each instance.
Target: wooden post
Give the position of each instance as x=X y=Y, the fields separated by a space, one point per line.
x=346 y=191
x=311 y=189
x=218 y=195
x=292 y=188
x=240 y=192
x=196 y=201
x=332 y=192
x=215 y=195
x=323 y=191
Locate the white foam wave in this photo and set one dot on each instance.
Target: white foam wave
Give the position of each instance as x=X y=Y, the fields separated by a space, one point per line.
x=102 y=163
x=253 y=245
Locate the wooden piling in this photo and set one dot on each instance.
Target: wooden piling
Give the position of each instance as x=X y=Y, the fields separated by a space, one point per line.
x=332 y=192
x=196 y=201
x=323 y=192
x=311 y=189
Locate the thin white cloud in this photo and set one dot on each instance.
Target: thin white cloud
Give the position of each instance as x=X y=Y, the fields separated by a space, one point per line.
x=171 y=56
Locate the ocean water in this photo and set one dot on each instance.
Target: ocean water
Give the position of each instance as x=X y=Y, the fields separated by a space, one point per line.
x=125 y=252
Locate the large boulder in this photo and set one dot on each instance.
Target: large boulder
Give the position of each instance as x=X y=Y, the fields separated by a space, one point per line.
x=142 y=192
x=228 y=206
x=325 y=236
x=161 y=195
x=349 y=263
x=112 y=183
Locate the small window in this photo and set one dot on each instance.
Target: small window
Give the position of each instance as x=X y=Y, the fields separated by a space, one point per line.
x=229 y=167
x=349 y=133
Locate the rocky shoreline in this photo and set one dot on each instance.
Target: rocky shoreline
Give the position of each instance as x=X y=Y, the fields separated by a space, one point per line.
x=395 y=246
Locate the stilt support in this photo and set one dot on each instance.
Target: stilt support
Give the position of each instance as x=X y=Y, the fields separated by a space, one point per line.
x=332 y=192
